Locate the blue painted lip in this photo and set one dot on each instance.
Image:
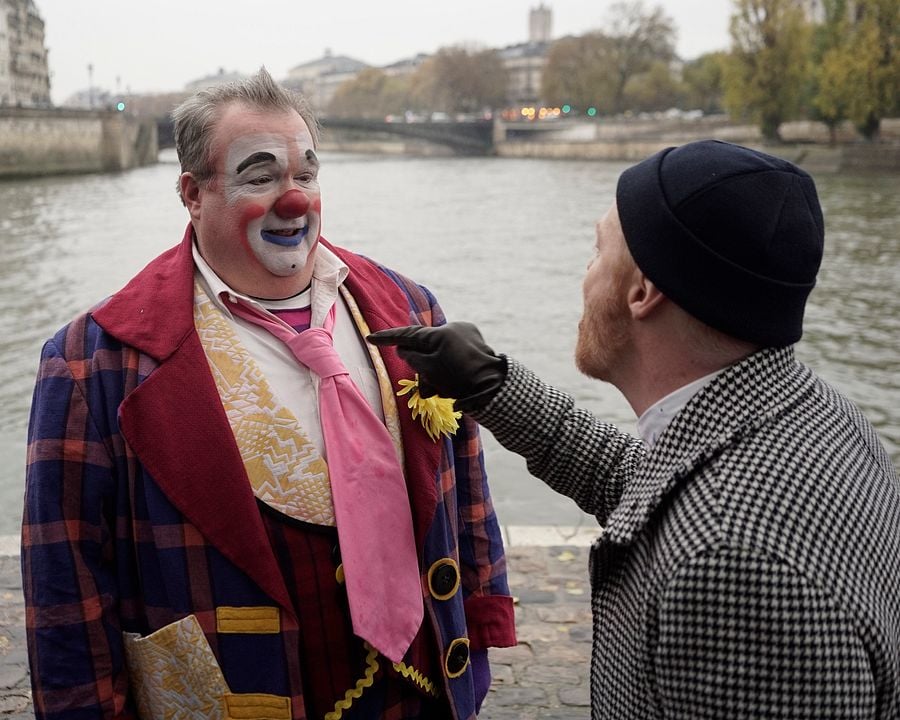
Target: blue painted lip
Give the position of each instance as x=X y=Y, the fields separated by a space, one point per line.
x=285 y=240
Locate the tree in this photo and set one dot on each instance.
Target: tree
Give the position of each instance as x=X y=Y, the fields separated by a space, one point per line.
x=859 y=73
x=640 y=39
x=703 y=83
x=577 y=73
x=831 y=75
x=371 y=94
x=458 y=79
x=767 y=69
x=595 y=69
x=655 y=89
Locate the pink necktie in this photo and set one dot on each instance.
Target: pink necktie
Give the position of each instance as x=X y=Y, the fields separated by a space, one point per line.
x=371 y=504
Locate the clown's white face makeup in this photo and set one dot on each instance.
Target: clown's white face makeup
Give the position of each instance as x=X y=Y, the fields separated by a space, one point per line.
x=258 y=219
x=258 y=169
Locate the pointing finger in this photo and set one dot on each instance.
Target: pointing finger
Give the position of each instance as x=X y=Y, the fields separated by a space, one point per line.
x=426 y=389
x=412 y=337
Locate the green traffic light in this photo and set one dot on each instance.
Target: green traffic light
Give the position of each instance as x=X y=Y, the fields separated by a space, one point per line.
x=120 y=106
x=591 y=111
x=567 y=108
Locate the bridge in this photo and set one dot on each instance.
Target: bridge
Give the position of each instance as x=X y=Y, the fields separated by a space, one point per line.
x=473 y=137
x=468 y=137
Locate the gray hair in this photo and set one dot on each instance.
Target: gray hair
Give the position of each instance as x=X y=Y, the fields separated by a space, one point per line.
x=195 y=118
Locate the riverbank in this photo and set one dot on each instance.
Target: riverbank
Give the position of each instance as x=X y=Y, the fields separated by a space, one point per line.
x=546 y=676
x=36 y=142
x=806 y=143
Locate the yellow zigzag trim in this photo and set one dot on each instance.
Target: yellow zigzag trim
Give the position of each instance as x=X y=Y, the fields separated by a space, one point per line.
x=410 y=673
x=361 y=684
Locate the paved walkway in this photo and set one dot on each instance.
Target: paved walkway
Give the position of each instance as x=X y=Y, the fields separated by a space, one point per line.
x=545 y=676
x=15 y=688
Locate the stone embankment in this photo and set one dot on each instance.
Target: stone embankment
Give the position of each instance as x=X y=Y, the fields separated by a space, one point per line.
x=806 y=143
x=56 y=141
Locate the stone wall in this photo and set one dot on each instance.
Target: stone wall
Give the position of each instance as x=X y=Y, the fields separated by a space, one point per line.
x=55 y=141
x=806 y=143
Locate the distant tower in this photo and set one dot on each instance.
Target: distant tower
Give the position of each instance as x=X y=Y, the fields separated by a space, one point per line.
x=540 y=22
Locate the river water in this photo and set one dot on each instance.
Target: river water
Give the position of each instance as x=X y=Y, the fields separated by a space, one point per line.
x=501 y=242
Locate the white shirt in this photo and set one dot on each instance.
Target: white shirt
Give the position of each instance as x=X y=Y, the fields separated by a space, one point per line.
x=657 y=417
x=293 y=384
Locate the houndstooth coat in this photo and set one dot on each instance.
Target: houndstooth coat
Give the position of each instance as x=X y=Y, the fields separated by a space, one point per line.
x=749 y=564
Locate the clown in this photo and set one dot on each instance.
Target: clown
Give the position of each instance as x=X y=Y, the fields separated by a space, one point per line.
x=197 y=545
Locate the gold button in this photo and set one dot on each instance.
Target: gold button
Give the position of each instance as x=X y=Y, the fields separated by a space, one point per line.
x=457 y=659
x=339 y=574
x=443 y=579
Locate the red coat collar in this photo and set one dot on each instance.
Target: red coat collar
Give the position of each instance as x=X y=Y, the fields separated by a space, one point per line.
x=175 y=423
x=154 y=312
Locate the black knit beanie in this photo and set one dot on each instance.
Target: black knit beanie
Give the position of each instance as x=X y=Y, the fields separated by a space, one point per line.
x=730 y=234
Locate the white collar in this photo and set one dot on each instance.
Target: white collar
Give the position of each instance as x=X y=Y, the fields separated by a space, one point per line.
x=329 y=272
x=657 y=417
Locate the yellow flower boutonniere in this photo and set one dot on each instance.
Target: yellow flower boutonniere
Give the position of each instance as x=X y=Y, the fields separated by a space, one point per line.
x=436 y=413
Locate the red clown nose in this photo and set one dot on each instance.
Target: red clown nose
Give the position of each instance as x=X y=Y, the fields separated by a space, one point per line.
x=292 y=204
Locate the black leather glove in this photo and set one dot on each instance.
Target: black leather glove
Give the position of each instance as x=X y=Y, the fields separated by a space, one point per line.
x=452 y=361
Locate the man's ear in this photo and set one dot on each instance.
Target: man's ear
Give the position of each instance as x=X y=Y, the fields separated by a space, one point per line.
x=643 y=296
x=190 y=194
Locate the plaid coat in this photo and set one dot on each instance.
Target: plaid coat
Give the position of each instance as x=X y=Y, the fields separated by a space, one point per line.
x=749 y=564
x=138 y=511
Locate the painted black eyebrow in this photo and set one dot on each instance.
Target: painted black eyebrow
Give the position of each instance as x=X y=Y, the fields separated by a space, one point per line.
x=312 y=157
x=259 y=157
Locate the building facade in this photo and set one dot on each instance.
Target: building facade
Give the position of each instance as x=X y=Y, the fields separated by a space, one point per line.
x=219 y=78
x=24 y=73
x=318 y=80
x=5 y=79
x=524 y=65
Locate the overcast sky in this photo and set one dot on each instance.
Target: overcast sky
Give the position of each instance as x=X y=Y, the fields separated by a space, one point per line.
x=160 y=45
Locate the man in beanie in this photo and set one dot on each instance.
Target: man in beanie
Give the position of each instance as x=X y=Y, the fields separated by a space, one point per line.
x=749 y=562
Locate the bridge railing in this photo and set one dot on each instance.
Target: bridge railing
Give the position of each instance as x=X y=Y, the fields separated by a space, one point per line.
x=471 y=137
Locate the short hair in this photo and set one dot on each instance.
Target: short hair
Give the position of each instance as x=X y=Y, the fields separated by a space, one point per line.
x=196 y=117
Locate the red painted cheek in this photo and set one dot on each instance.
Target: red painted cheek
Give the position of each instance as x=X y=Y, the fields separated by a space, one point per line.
x=292 y=204
x=248 y=215
x=317 y=209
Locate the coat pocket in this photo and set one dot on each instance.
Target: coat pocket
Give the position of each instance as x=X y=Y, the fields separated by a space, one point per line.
x=174 y=674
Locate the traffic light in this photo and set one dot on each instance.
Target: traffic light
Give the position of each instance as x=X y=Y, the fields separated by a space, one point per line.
x=120 y=106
